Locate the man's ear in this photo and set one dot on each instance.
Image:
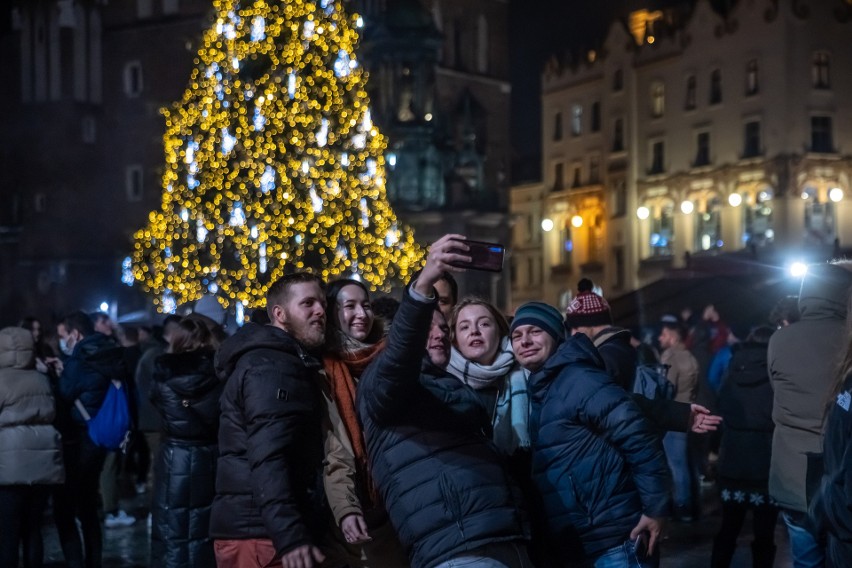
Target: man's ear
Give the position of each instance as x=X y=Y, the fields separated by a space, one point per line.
x=278 y=314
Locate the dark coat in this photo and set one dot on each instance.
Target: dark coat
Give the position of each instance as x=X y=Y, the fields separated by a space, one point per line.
x=597 y=463
x=95 y=362
x=620 y=359
x=832 y=508
x=445 y=486
x=186 y=393
x=270 y=440
x=745 y=403
x=149 y=418
x=803 y=360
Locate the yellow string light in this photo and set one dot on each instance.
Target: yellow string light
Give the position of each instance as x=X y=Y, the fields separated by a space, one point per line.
x=272 y=164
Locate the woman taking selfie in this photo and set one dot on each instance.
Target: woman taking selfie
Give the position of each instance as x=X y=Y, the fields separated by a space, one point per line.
x=362 y=536
x=186 y=394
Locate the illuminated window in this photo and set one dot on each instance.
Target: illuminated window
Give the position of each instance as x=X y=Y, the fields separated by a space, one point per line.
x=708 y=234
x=662 y=231
x=566 y=245
x=758 y=220
x=658 y=100
x=577 y=120
x=821 y=70
x=752 y=81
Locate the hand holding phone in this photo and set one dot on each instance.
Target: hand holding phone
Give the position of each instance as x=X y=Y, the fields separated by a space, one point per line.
x=483 y=256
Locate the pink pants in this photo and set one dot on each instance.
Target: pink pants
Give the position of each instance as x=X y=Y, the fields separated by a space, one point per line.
x=252 y=553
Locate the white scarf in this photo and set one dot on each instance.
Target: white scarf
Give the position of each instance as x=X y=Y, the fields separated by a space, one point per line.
x=512 y=414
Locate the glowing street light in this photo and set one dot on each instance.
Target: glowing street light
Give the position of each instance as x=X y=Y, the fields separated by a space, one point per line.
x=547 y=225
x=835 y=194
x=735 y=199
x=798 y=269
x=687 y=207
x=577 y=221
x=643 y=213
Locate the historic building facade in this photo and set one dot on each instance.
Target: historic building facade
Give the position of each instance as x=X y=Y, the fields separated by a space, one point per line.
x=688 y=135
x=81 y=148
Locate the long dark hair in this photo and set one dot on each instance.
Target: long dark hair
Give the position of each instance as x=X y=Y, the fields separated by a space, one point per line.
x=195 y=332
x=333 y=337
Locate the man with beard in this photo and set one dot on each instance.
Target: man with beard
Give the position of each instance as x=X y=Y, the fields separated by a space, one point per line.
x=267 y=511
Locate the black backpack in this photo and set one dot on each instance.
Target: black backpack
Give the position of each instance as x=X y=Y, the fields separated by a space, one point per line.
x=651 y=382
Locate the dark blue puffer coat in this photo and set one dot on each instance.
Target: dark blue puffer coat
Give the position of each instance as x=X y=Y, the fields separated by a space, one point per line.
x=446 y=488
x=597 y=463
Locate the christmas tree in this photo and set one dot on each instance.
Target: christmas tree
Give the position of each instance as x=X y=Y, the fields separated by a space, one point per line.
x=273 y=164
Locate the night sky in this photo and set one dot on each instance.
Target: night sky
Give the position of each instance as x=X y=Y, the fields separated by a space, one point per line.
x=539 y=29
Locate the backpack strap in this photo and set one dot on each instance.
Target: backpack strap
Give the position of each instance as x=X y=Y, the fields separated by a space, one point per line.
x=82 y=409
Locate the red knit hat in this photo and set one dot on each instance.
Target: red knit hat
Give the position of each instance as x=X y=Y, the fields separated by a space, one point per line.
x=587 y=309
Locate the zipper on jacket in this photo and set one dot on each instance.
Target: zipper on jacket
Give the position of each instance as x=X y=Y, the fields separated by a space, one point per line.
x=580 y=504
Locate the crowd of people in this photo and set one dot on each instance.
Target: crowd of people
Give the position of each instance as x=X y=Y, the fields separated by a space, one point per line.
x=338 y=430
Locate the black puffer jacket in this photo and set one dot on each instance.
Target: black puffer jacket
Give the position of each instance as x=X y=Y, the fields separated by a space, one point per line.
x=270 y=441
x=95 y=361
x=445 y=486
x=597 y=462
x=186 y=393
x=745 y=403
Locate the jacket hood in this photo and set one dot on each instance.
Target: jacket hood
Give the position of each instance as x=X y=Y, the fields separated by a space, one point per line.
x=250 y=337
x=825 y=292
x=576 y=350
x=612 y=334
x=103 y=354
x=16 y=348
x=748 y=366
x=189 y=374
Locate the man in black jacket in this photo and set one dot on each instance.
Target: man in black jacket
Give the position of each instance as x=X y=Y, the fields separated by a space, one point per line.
x=92 y=361
x=446 y=489
x=597 y=463
x=266 y=508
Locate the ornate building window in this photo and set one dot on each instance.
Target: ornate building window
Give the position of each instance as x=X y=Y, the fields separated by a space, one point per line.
x=821 y=70
x=618 y=135
x=557 y=127
x=662 y=230
x=596 y=116
x=758 y=220
x=558 y=176
x=751 y=139
x=702 y=149
x=752 y=79
x=658 y=99
x=618 y=80
x=708 y=234
x=820 y=218
x=482 y=44
x=689 y=103
x=576 y=120
x=658 y=158
x=716 y=86
x=822 y=139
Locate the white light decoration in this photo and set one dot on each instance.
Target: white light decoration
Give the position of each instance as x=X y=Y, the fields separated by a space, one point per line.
x=322 y=135
x=240 y=313
x=643 y=213
x=258 y=28
x=344 y=160
x=371 y=167
x=200 y=231
x=391 y=159
x=577 y=221
x=168 y=302
x=308 y=30
x=261 y=265
x=835 y=194
x=687 y=207
x=306 y=167
x=235 y=63
x=184 y=214
x=770 y=234
x=341 y=64
x=191 y=182
x=191 y=147
x=547 y=225
x=228 y=141
x=127 y=271
x=735 y=200
x=367 y=121
x=359 y=22
x=299 y=239
x=291 y=84
x=359 y=141
x=238 y=216
x=805 y=195
x=104 y=307
x=254 y=232
x=267 y=180
x=213 y=288
x=259 y=120
x=392 y=237
x=316 y=201
x=365 y=213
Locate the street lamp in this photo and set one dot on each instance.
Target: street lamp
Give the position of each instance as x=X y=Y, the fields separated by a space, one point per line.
x=643 y=213
x=577 y=221
x=735 y=199
x=687 y=207
x=546 y=225
x=835 y=194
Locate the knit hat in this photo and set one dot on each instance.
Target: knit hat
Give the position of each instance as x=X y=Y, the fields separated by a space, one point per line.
x=540 y=315
x=587 y=309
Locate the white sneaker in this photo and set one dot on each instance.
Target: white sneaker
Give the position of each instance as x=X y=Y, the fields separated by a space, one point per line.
x=141 y=488
x=120 y=519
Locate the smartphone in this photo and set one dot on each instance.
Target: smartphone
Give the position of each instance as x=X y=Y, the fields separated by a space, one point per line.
x=483 y=256
x=641 y=545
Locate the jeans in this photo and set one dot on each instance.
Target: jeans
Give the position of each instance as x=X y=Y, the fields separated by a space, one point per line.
x=624 y=556
x=678 y=458
x=806 y=549
x=496 y=555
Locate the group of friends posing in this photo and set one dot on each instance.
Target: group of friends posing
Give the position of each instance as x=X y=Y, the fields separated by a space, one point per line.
x=329 y=437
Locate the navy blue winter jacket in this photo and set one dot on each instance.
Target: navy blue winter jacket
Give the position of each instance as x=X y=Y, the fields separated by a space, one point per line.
x=440 y=476
x=95 y=361
x=597 y=463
